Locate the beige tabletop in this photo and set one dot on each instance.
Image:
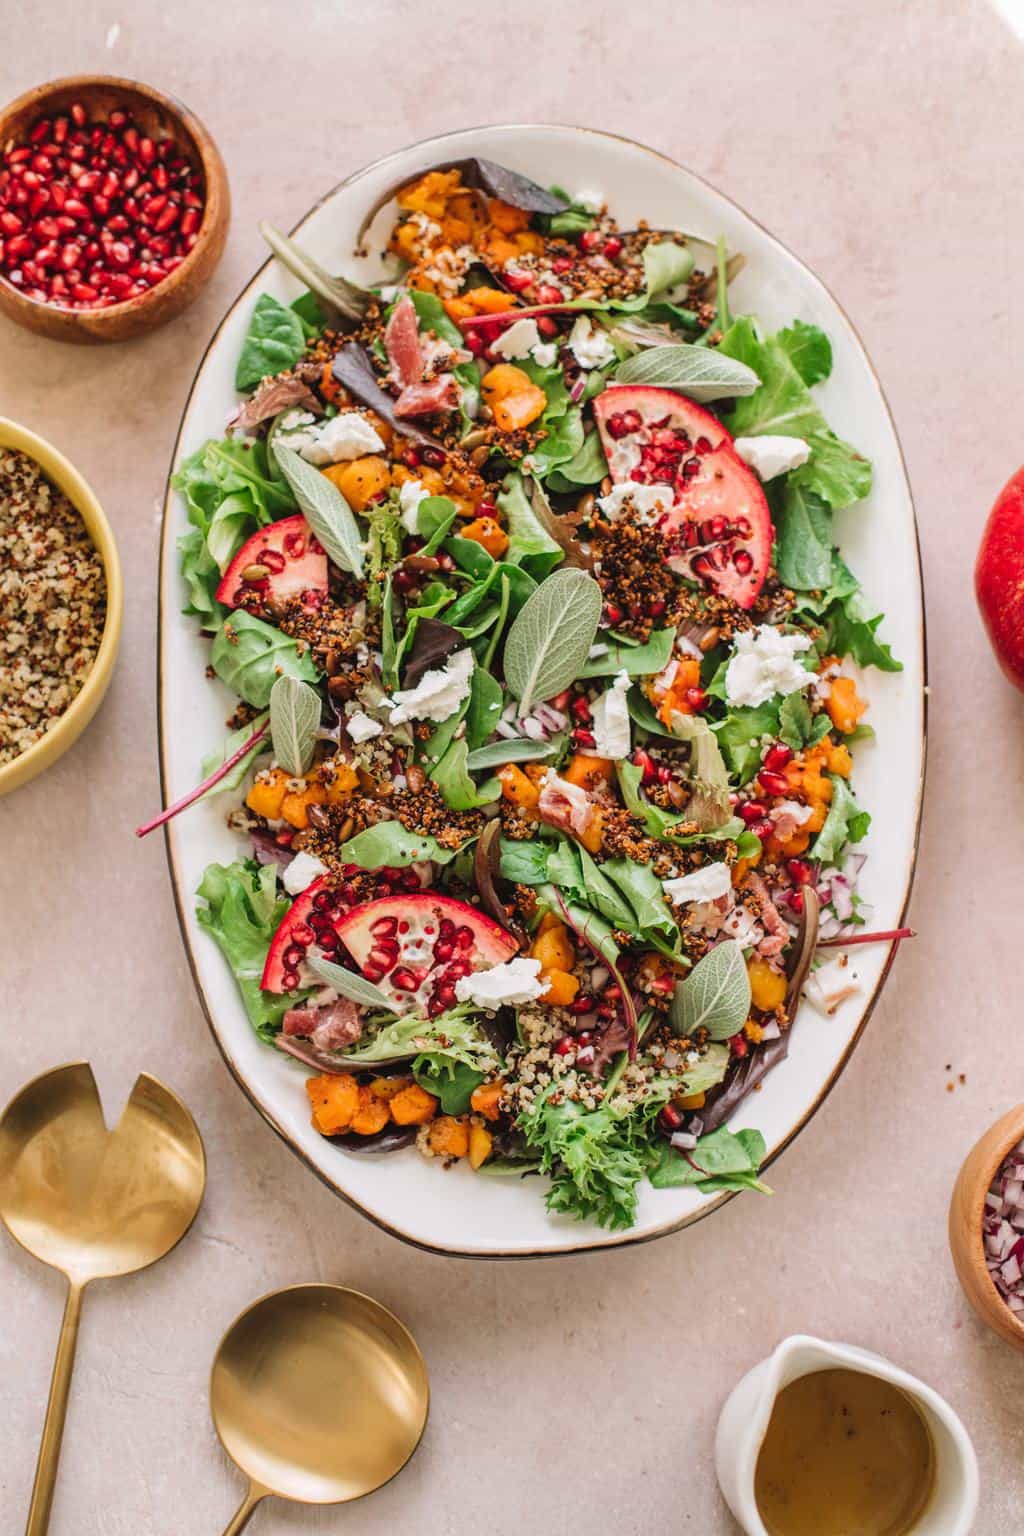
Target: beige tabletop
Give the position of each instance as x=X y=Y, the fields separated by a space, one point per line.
x=881 y=141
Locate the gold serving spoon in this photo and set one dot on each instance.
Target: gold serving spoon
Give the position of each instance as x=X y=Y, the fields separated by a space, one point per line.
x=319 y=1395
x=92 y=1203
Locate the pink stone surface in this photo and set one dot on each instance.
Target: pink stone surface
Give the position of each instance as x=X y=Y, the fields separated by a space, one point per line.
x=882 y=143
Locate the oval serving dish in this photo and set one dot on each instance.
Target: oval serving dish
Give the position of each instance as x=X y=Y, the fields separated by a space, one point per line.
x=458 y=1213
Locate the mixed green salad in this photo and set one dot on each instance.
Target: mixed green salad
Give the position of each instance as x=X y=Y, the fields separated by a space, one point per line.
x=521 y=567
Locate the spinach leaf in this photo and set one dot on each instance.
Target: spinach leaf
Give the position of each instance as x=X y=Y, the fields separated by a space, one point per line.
x=845 y=823
x=808 y=349
x=241 y=911
x=722 y=1160
x=636 y=660
x=587 y=466
x=739 y=736
x=803 y=530
x=485 y=704
x=453 y=779
x=525 y=863
x=274 y=341
x=641 y=888
x=249 y=656
x=390 y=844
x=453 y=1082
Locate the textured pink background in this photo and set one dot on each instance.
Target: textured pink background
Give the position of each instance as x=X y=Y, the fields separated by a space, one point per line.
x=882 y=143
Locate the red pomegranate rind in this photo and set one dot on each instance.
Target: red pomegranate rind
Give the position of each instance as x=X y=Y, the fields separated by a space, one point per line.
x=310 y=921
x=283 y=560
x=719 y=530
x=999 y=578
x=416 y=947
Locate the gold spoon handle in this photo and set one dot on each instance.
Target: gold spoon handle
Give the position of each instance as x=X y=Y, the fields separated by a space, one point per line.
x=243 y=1514
x=56 y=1409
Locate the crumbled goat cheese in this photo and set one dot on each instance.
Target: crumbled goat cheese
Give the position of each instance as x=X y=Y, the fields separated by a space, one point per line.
x=831 y=984
x=770 y=456
x=764 y=664
x=545 y=355
x=302 y=871
x=589 y=344
x=438 y=693
x=648 y=501
x=705 y=884
x=361 y=727
x=611 y=720
x=409 y=498
x=512 y=983
x=347 y=436
x=518 y=341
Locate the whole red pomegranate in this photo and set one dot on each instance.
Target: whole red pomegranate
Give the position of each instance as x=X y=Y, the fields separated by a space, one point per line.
x=999 y=578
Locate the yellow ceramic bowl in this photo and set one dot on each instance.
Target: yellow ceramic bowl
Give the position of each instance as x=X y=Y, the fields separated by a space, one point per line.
x=87 y=701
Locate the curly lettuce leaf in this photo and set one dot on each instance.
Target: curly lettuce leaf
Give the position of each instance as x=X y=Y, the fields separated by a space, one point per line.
x=241 y=910
x=845 y=823
x=596 y=1159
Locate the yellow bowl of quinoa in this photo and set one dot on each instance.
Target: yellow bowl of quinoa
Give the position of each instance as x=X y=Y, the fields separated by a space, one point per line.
x=60 y=605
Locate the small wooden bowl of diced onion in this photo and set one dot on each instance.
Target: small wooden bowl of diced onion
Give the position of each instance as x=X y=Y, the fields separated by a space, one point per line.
x=986 y=1227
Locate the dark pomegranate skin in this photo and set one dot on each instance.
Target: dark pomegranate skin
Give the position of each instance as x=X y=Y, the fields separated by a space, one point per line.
x=999 y=578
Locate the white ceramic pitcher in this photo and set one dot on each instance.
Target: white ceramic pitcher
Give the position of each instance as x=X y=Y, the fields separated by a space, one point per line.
x=744 y=1421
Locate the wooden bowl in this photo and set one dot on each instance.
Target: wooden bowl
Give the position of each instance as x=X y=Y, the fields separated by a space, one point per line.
x=159 y=117
x=66 y=731
x=965 y=1218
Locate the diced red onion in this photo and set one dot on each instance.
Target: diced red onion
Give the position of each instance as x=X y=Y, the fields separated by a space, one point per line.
x=683 y=1141
x=1002 y=1227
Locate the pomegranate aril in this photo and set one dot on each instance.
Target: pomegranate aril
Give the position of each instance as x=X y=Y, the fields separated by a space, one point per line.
x=40 y=131
x=10 y=223
x=670 y=1118
x=777 y=756
x=772 y=783
x=612 y=248
x=800 y=871
x=565 y=1046
x=753 y=810
x=290 y=980
x=763 y=829
x=444 y=949
x=384 y=927
x=743 y=561
x=404 y=979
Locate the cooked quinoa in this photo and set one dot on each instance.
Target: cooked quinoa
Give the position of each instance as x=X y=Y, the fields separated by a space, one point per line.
x=53 y=603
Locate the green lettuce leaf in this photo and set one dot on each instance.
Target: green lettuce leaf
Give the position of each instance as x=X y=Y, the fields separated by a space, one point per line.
x=808 y=349
x=274 y=341
x=241 y=910
x=249 y=656
x=845 y=823
x=722 y=1160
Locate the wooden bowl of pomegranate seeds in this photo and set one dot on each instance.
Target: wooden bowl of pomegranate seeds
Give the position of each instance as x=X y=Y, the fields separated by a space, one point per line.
x=986 y=1226
x=114 y=209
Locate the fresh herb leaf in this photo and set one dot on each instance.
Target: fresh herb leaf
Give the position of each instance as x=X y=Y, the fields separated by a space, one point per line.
x=453 y=1082
x=457 y=786
x=349 y=983
x=550 y=637
x=249 y=656
x=294 y=722
x=587 y=466
x=516 y=749
x=701 y=373
x=798 y=728
x=274 y=341
x=803 y=531
x=721 y=1160
x=715 y=995
x=325 y=510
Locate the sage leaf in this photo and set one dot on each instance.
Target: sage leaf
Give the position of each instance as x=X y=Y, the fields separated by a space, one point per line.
x=324 y=508
x=551 y=636
x=715 y=995
x=348 y=299
x=517 y=749
x=356 y=988
x=699 y=372
x=294 y=722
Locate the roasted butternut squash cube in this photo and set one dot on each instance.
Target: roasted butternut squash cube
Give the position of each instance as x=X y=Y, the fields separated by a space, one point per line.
x=334 y=1098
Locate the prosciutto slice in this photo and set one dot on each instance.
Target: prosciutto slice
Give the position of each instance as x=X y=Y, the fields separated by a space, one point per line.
x=564 y=805
x=330 y=1028
x=402 y=344
x=777 y=934
x=440 y=394
x=271 y=397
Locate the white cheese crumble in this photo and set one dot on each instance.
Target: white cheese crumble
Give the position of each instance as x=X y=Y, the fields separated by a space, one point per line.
x=301 y=872
x=347 y=436
x=545 y=355
x=611 y=720
x=770 y=456
x=518 y=341
x=362 y=727
x=513 y=982
x=831 y=984
x=764 y=664
x=589 y=344
x=647 y=501
x=438 y=693
x=409 y=498
x=708 y=883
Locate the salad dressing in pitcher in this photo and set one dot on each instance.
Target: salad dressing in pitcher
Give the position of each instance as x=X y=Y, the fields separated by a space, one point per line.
x=845 y=1454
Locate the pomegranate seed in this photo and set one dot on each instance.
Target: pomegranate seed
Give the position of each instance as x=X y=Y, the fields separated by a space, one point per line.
x=84 y=292
x=591 y=239
x=612 y=248
x=645 y=763
x=547 y=293
x=743 y=561
x=434 y=457
x=10 y=223
x=670 y=1118
x=77 y=113
x=518 y=280
x=565 y=1046
x=763 y=829
x=581 y=1004
x=473 y=341
x=796 y=901
x=547 y=326
x=117 y=118
x=562 y=264
x=404 y=979
x=800 y=871
x=696 y=698
x=464 y=937
x=738 y=1045
x=613 y=613
x=580 y=708
x=384 y=927
x=583 y=738
x=777 y=756
x=289 y=980
x=773 y=783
